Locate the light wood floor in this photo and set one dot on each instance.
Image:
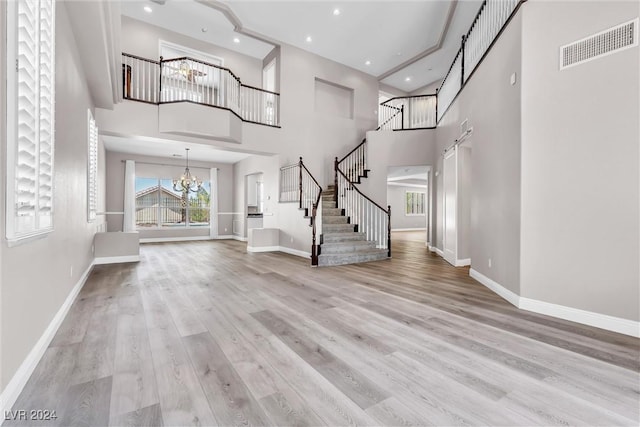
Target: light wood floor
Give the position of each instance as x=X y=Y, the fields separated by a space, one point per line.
x=204 y=333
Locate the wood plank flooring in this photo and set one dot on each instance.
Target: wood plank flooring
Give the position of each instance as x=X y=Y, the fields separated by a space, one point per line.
x=204 y=333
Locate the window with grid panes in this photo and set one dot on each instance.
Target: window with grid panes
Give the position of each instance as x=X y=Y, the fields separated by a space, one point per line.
x=414 y=203
x=30 y=117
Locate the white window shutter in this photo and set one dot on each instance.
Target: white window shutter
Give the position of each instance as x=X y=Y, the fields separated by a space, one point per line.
x=92 y=168
x=30 y=102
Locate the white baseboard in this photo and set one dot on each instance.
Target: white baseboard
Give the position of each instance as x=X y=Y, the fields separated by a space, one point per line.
x=263 y=248
x=505 y=293
x=224 y=237
x=173 y=239
x=116 y=259
x=295 y=252
x=463 y=262
x=602 y=321
x=437 y=251
x=408 y=229
x=240 y=238
x=284 y=249
x=16 y=384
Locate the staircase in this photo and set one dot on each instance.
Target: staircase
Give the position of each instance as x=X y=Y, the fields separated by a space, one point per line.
x=341 y=243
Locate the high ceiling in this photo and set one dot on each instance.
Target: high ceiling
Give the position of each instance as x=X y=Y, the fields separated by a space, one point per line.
x=388 y=34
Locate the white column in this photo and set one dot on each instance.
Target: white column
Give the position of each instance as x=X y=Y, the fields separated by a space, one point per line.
x=129 y=221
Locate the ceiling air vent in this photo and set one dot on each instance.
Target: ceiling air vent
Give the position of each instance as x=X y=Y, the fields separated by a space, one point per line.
x=612 y=40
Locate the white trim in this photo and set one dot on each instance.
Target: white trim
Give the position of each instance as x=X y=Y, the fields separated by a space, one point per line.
x=240 y=238
x=598 y=320
x=505 y=293
x=410 y=229
x=284 y=249
x=263 y=248
x=224 y=237
x=436 y=250
x=173 y=239
x=115 y=259
x=16 y=384
x=295 y=252
x=463 y=262
x=399 y=184
x=603 y=321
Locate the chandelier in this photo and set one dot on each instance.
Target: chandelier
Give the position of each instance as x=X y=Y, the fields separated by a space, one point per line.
x=187 y=182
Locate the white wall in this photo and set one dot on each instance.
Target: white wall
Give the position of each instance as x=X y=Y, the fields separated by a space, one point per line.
x=389 y=148
x=396 y=198
x=37 y=276
x=492 y=106
x=147 y=166
x=580 y=163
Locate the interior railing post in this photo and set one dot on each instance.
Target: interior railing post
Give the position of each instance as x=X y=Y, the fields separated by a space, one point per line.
x=462 y=60
x=389 y=231
x=314 y=249
x=402 y=116
x=335 y=181
x=300 y=184
x=160 y=83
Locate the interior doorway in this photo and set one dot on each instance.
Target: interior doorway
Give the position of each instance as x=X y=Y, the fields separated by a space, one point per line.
x=409 y=195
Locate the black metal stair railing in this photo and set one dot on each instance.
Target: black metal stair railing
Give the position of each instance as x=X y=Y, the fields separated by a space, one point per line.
x=298 y=185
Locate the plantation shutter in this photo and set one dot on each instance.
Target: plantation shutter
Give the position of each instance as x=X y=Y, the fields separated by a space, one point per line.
x=92 y=178
x=31 y=118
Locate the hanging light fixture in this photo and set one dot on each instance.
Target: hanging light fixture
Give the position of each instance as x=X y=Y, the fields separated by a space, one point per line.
x=187 y=182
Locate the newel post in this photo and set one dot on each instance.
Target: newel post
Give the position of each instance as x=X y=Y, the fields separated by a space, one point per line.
x=389 y=231
x=314 y=248
x=335 y=181
x=160 y=83
x=300 y=184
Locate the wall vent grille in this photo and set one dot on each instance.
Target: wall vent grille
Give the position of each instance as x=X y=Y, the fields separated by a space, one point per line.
x=612 y=40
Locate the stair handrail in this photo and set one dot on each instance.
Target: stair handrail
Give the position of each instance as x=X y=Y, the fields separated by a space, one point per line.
x=316 y=187
x=354 y=164
x=399 y=111
x=352 y=186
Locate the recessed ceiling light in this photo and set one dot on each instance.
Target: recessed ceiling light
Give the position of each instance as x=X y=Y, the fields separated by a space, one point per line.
x=204 y=29
x=236 y=40
x=148 y=9
x=407 y=79
x=336 y=12
x=367 y=62
x=309 y=39
x=399 y=54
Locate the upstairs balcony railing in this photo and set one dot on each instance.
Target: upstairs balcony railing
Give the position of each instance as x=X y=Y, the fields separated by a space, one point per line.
x=408 y=112
x=426 y=111
x=191 y=80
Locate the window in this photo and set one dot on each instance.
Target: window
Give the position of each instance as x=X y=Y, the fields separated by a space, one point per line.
x=414 y=203
x=30 y=118
x=92 y=168
x=159 y=205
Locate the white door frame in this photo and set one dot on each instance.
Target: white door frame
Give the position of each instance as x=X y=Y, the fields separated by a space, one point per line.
x=450 y=253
